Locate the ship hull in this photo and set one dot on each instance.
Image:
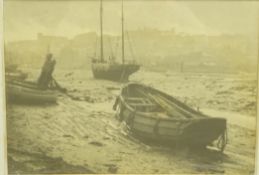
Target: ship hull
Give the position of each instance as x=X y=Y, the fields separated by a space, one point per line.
x=114 y=72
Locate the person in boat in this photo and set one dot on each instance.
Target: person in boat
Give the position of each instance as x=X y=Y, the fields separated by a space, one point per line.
x=46 y=79
x=51 y=68
x=49 y=79
x=46 y=72
x=44 y=69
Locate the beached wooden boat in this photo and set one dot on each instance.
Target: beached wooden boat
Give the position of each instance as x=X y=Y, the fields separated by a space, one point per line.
x=16 y=75
x=28 y=92
x=13 y=73
x=157 y=116
x=10 y=67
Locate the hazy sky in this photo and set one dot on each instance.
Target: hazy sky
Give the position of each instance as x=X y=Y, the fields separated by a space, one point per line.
x=24 y=19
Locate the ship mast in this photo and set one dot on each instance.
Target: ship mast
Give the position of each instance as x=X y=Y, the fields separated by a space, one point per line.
x=122 y=32
x=101 y=29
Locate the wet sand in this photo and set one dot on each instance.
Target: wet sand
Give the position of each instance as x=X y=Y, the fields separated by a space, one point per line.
x=81 y=135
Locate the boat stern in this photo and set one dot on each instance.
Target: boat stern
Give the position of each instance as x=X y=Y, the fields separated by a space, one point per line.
x=202 y=132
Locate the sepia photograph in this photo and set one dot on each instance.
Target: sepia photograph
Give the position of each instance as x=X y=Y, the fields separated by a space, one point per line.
x=130 y=86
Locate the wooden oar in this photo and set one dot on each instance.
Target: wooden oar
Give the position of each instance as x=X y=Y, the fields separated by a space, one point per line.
x=168 y=108
x=169 y=105
x=180 y=109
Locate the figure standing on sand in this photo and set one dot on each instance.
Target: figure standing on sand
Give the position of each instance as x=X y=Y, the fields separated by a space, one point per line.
x=48 y=67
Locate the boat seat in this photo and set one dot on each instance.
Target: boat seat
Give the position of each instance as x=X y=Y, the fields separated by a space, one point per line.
x=144 y=107
x=142 y=104
x=138 y=100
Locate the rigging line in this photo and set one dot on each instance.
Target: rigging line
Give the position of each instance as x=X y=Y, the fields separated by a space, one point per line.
x=116 y=47
x=110 y=44
x=130 y=46
x=96 y=45
x=101 y=29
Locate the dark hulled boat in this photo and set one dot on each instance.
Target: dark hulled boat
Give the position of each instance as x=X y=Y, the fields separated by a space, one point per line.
x=11 y=69
x=156 y=116
x=13 y=73
x=28 y=92
x=112 y=70
x=16 y=75
x=41 y=91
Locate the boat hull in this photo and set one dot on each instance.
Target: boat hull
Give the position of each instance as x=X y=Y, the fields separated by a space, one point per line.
x=113 y=72
x=198 y=130
x=26 y=92
x=16 y=76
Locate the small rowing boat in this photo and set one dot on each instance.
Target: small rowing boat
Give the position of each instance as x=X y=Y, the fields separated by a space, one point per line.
x=16 y=75
x=28 y=92
x=154 y=115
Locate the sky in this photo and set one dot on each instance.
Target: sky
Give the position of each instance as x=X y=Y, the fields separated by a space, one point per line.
x=24 y=19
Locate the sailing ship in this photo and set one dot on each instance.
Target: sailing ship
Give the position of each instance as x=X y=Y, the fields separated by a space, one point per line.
x=110 y=69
